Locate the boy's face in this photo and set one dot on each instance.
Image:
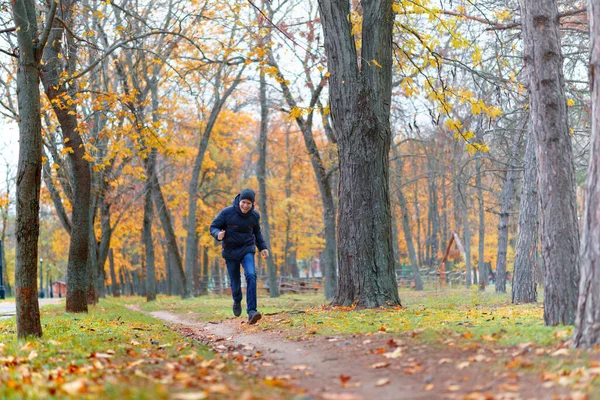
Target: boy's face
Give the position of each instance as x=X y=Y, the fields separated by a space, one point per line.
x=245 y=205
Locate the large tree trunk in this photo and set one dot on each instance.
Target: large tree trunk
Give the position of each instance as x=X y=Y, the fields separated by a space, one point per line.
x=78 y=276
x=507 y=200
x=524 y=282
x=587 y=323
x=556 y=177
x=29 y=169
x=360 y=98
x=261 y=175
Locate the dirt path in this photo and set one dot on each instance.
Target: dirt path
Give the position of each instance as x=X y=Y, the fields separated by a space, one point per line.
x=368 y=367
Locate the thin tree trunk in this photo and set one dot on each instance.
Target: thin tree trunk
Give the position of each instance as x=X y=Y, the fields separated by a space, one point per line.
x=481 y=248
x=192 y=238
x=323 y=180
x=205 y=272
x=526 y=259
x=261 y=172
x=170 y=238
x=149 y=165
x=406 y=229
x=78 y=275
x=507 y=200
x=113 y=276
x=556 y=176
x=587 y=323
x=467 y=232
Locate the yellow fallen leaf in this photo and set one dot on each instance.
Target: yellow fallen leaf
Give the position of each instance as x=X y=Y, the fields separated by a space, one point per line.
x=560 y=352
x=395 y=354
x=218 y=388
x=467 y=335
x=382 y=364
x=429 y=387
x=463 y=365
x=383 y=382
x=190 y=396
x=453 y=388
x=33 y=354
x=26 y=346
x=182 y=376
x=488 y=338
x=73 y=388
x=298 y=367
x=579 y=396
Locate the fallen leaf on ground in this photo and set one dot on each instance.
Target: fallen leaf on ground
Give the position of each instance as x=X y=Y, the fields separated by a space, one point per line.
x=560 y=352
x=429 y=387
x=453 y=388
x=488 y=338
x=444 y=361
x=32 y=355
x=190 y=396
x=382 y=364
x=344 y=378
x=463 y=365
x=383 y=382
x=300 y=367
x=395 y=354
x=73 y=388
x=341 y=396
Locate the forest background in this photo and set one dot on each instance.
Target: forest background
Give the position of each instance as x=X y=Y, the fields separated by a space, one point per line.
x=212 y=97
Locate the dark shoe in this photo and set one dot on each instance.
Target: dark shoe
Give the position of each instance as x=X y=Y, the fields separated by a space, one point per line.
x=253 y=317
x=237 y=308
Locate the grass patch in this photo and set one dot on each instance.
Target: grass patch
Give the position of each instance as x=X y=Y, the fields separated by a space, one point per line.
x=464 y=314
x=112 y=352
x=218 y=307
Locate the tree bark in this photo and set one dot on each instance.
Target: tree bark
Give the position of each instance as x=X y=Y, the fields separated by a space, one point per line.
x=360 y=98
x=29 y=168
x=587 y=322
x=507 y=200
x=480 y=201
x=526 y=260
x=556 y=177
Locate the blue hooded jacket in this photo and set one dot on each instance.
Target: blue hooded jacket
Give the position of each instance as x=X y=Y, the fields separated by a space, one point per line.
x=242 y=231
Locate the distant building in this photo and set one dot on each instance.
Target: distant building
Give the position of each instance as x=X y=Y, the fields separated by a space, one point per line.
x=59 y=289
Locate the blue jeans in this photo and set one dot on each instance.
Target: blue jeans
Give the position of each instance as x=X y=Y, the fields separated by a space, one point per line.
x=233 y=268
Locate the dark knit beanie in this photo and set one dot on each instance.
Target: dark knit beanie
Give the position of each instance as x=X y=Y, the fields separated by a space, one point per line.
x=247 y=194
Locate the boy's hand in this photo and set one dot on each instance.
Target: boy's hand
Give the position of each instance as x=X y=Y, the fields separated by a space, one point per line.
x=264 y=253
x=221 y=235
